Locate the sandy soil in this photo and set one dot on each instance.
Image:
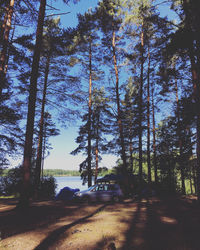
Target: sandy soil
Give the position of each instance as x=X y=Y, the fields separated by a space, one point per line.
x=170 y=223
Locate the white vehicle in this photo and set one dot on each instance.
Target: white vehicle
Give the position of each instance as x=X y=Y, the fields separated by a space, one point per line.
x=100 y=192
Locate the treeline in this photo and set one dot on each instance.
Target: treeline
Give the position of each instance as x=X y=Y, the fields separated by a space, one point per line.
x=60 y=172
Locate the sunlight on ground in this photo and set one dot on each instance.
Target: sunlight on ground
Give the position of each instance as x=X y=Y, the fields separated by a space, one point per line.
x=9 y=207
x=132 y=224
x=168 y=220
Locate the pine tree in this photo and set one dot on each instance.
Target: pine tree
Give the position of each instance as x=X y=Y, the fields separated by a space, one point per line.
x=187 y=41
x=25 y=195
x=109 y=21
x=99 y=128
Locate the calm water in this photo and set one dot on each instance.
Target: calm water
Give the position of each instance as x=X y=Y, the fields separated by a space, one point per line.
x=69 y=181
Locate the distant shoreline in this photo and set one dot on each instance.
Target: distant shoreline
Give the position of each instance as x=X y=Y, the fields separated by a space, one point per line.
x=60 y=173
x=66 y=175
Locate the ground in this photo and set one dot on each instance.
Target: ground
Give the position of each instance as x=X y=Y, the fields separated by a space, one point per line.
x=171 y=223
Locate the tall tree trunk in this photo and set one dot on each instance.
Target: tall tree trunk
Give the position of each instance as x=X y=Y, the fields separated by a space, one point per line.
x=97 y=150
x=131 y=154
x=2 y=29
x=154 y=137
x=192 y=22
x=43 y=151
x=140 y=104
x=25 y=193
x=196 y=90
x=191 y=188
x=89 y=168
x=5 y=35
x=119 y=119
x=8 y=50
x=96 y=161
x=198 y=131
x=41 y=126
x=148 y=119
x=194 y=178
x=181 y=163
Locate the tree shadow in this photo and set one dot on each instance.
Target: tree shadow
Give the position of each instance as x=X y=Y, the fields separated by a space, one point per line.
x=168 y=223
x=13 y=222
x=131 y=231
x=59 y=234
x=178 y=224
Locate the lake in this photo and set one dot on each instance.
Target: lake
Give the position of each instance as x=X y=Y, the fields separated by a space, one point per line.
x=69 y=181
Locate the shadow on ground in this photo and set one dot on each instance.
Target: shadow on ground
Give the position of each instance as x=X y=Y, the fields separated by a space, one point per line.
x=39 y=215
x=58 y=234
x=171 y=223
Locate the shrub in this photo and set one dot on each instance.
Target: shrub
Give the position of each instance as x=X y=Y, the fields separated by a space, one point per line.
x=47 y=188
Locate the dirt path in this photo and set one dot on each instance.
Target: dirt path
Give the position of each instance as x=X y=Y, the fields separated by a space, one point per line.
x=147 y=224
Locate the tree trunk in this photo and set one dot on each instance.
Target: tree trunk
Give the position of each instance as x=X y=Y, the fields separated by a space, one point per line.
x=148 y=120
x=41 y=126
x=191 y=188
x=25 y=192
x=140 y=106
x=97 y=152
x=131 y=154
x=181 y=163
x=192 y=22
x=5 y=41
x=196 y=90
x=2 y=30
x=89 y=170
x=154 y=138
x=43 y=151
x=119 y=120
x=8 y=50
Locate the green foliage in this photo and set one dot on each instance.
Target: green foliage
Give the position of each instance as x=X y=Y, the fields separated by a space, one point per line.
x=12 y=179
x=47 y=189
x=99 y=128
x=133 y=10
x=104 y=171
x=11 y=182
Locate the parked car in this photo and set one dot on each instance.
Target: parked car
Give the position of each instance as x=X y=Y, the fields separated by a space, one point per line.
x=100 y=192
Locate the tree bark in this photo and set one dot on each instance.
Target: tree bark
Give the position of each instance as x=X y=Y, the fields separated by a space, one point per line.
x=191 y=188
x=5 y=41
x=196 y=91
x=131 y=154
x=148 y=120
x=192 y=22
x=140 y=106
x=97 y=150
x=41 y=127
x=2 y=30
x=89 y=169
x=154 y=138
x=25 y=192
x=181 y=163
x=119 y=120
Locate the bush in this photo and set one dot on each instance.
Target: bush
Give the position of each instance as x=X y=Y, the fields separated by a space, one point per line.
x=11 y=184
x=47 y=188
